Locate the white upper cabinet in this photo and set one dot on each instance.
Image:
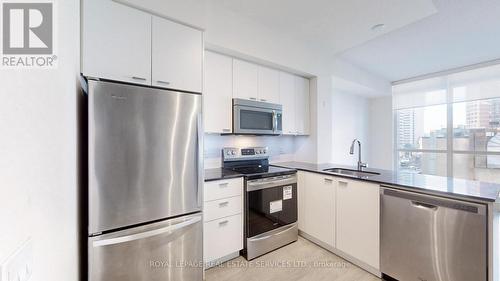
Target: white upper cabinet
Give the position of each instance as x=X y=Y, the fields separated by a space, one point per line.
x=177 y=56
x=302 y=117
x=245 y=80
x=358 y=219
x=125 y=44
x=294 y=96
x=218 y=93
x=254 y=82
x=116 y=42
x=287 y=99
x=269 y=85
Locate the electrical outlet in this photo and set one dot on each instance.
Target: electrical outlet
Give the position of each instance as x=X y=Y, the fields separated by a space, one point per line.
x=19 y=266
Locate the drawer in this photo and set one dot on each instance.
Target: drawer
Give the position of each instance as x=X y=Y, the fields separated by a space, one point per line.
x=214 y=190
x=222 y=208
x=222 y=237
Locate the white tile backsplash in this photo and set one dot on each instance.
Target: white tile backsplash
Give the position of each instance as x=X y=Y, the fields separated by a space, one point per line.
x=281 y=148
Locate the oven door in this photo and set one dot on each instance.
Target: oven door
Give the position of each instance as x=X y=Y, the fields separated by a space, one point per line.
x=256 y=120
x=271 y=203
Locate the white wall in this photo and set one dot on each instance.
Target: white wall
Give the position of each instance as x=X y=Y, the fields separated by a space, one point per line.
x=350 y=116
x=371 y=84
x=381 y=135
x=38 y=188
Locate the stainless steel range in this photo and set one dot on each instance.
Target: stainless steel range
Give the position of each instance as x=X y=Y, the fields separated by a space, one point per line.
x=270 y=200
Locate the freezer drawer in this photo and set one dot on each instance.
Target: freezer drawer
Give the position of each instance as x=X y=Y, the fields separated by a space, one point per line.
x=144 y=155
x=164 y=251
x=432 y=238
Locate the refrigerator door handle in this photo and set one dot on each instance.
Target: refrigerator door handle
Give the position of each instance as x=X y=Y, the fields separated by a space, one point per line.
x=200 y=160
x=147 y=234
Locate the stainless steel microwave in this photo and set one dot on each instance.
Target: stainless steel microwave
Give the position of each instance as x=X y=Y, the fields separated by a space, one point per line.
x=257 y=118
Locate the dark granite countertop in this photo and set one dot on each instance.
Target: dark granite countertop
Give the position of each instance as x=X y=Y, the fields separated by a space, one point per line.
x=458 y=188
x=220 y=174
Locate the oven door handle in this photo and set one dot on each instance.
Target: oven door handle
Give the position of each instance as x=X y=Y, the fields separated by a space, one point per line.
x=253 y=186
x=271 y=235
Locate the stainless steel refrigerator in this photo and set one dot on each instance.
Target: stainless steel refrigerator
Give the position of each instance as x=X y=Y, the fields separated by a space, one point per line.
x=144 y=183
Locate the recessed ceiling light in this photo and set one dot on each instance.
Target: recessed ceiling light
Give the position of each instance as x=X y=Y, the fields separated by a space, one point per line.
x=378 y=26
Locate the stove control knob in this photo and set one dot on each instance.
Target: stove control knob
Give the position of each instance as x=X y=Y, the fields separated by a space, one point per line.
x=228 y=152
x=232 y=152
x=264 y=151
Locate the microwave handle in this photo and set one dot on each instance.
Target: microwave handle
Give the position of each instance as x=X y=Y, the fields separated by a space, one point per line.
x=275 y=121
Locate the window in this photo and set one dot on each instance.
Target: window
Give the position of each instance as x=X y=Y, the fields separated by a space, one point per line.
x=450 y=125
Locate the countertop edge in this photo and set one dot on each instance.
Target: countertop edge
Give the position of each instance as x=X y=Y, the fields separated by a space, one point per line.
x=394 y=185
x=223 y=178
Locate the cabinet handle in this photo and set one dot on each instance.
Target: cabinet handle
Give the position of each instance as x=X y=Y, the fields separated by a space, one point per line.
x=139 y=78
x=223 y=222
x=223 y=184
x=163 y=82
x=263 y=100
x=226 y=130
x=253 y=98
x=328 y=180
x=343 y=182
x=223 y=204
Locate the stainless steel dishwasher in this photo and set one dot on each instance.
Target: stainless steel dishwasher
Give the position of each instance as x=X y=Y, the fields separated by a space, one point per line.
x=428 y=238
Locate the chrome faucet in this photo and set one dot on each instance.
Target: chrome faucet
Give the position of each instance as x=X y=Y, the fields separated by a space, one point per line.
x=361 y=165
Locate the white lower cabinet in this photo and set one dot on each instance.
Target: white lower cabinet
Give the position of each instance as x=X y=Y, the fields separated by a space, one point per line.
x=319 y=207
x=222 y=237
x=358 y=220
x=223 y=219
x=341 y=213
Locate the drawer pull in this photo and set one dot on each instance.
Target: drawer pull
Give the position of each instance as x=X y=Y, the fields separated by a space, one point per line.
x=226 y=130
x=343 y=182
x=223 y=223
x=223 y=184
x=163 y=82
x=328 y=180
x=138 y=78
x=223 y=204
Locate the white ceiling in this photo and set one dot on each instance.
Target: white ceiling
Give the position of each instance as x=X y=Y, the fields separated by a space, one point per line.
x=335 y=25
x=463 y=32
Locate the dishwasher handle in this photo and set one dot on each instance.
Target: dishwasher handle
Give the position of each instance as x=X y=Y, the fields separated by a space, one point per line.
x=434 y=202
x=421 y=205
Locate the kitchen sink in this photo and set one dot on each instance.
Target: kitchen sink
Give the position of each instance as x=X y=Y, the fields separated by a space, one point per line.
x=351 y=173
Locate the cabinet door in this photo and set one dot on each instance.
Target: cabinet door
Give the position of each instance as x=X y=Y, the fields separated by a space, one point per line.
x=217 y=95
x=269 y=85
x=245 y=80
x=222 y=237
x=177 y=56
x=287 y=99
x=358 y=216
x=320 y=208
x=302 y=105
x=116 y=42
